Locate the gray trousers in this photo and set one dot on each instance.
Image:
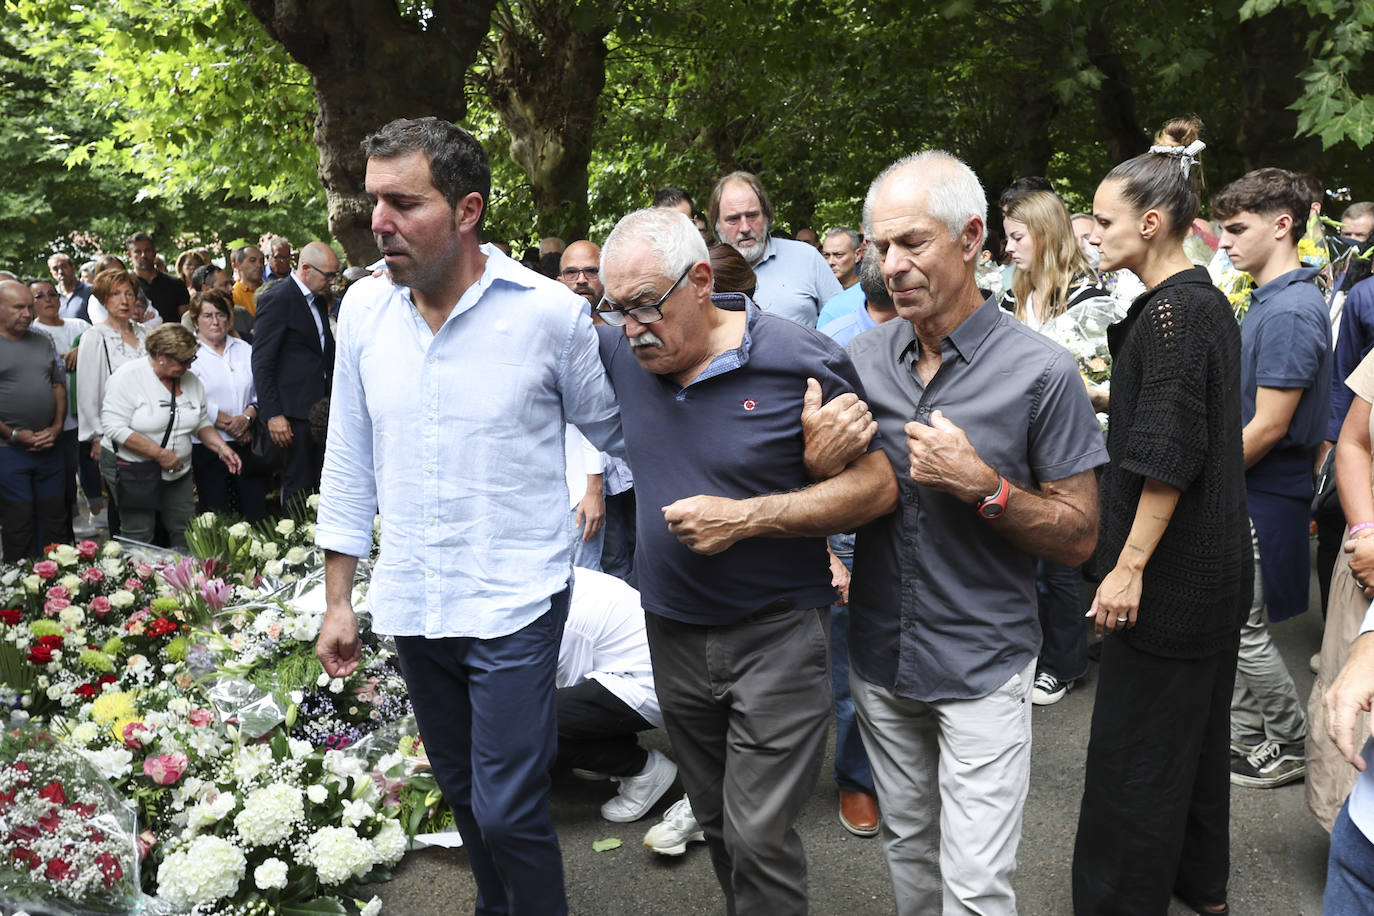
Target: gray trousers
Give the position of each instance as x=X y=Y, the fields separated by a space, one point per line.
x=747 y=707
x=952 y=778
x=1264 y=703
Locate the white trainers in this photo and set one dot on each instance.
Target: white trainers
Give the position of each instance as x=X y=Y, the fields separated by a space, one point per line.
x=679 y=827
x=640 y=792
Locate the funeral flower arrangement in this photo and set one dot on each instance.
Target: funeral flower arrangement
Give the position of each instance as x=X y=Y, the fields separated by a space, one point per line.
x=197 y=758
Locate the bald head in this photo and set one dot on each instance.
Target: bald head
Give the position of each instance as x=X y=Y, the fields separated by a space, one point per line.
x=579 y=270
x=318 y=268
x=16 y=309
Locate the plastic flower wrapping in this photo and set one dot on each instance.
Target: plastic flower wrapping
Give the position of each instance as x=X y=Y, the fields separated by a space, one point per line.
x=197 y=758
x=1082 y=330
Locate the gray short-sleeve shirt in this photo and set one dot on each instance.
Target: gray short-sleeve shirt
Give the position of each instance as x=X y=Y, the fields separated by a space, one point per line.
x=941 y=605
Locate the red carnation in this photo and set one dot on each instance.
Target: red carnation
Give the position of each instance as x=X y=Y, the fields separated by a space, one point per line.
x=161 y=627
x=11 y=615
x=85 y=691
x=53 y=792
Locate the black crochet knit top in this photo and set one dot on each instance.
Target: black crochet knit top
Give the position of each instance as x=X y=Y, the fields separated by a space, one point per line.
x=1175 y=417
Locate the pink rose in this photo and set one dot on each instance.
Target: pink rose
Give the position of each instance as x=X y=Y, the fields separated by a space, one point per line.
x=143 y=570
x=87 y=549
x=200 y=717
x=133 y=736
x=93 y=575
x=53 y=606
x=146 y=841
x=59 y=591
x=45 y=569
x=165 y=769
x=100 y=606
x=133 y=583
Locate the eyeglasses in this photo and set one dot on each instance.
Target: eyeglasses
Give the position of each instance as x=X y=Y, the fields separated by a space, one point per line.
x=183 y=363
x=644 y=314
x=572 y=273
x=328 y=274
x=213 y=315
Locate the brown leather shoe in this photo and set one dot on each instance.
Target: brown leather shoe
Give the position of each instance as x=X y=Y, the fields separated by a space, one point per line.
x=859 y=813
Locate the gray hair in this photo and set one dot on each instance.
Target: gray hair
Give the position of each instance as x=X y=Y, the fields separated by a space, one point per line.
x=669 y=234
x=954 y=195
x=855 y=238
x=1358 y=209
x=871 y=279
x=274 y=242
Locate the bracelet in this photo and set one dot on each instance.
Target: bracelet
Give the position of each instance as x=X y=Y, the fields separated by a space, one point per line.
x=1356 y=528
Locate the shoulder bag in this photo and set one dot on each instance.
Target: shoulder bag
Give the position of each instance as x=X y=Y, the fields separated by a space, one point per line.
x=138 y=484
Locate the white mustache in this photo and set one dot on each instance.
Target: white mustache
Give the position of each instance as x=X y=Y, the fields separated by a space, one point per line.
x=647 y=339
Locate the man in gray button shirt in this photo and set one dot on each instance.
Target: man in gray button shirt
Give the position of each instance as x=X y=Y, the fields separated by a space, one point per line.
x=33 y=403
x=989 y=429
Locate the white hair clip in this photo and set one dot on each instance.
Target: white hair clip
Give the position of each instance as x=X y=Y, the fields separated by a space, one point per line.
x=1186 y=155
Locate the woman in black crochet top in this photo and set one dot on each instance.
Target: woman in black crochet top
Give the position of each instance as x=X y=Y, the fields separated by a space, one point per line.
x=1175 y=548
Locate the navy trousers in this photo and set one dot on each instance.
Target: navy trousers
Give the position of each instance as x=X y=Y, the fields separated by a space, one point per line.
x=487 y=715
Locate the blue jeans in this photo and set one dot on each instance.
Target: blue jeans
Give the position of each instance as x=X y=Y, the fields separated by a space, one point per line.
x=618 y=548
x=33 y=511
x=495 y=776
x=1349 y=870
x=1064 y=652
x=852 y=772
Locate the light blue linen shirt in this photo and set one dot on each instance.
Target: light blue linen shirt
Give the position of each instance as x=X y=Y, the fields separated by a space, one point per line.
x=793 y=281
x=456 y=438
x=849 y=325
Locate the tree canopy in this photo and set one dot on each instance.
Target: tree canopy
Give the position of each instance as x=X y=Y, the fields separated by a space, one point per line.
x=215 y=120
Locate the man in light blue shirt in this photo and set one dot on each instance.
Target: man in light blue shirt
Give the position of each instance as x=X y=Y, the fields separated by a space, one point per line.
x=793 y=278
x=843 y=251
x=454 y=377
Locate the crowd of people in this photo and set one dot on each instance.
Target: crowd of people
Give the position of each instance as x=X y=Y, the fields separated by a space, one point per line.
x=857 y=476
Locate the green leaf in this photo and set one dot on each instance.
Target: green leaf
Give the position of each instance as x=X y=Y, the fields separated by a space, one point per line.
x=322 y=906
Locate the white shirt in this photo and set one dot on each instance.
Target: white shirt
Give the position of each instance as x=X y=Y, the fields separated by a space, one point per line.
x=101 y=352
x=582 y=461
x=1362 y=796
x=63 y=336
x=456 y=438
x=136 y=401
x=314 y=312
x=604 y=641
x=228 y=379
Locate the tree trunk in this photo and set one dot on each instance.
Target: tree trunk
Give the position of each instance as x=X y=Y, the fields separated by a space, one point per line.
x=1115 y=97
x=370 y=65
x=544 y=76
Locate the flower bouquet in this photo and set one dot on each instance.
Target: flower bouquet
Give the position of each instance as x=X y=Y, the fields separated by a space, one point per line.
x=1082 y=330
x=68 y=843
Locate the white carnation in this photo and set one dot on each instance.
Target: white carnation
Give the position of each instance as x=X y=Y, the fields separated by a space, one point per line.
x=317 y=794
x=269 y=813
x=338 y=853
x=83 y=734
x=299 y=748
x=270 y=874
x=206 y=870
x=251 y=761
x=355 y=812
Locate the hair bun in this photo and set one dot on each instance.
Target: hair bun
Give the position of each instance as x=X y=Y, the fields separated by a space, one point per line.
x=1179 y=132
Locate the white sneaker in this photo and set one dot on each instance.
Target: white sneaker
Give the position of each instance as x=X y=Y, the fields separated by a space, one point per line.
x=679 y=827
x=640 y=792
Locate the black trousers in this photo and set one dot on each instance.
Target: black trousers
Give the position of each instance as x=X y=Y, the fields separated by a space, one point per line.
x=596 y=731
x=219 y=491
x=1155 y=819
x=301 y=464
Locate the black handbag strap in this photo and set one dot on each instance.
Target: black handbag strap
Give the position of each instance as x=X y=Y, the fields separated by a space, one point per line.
x=171 y=417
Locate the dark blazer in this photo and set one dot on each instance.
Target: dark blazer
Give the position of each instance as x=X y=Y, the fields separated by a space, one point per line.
x=290 y=371
x=82 y=296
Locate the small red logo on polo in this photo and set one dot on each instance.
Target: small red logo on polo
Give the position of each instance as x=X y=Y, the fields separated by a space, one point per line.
x=750 y=403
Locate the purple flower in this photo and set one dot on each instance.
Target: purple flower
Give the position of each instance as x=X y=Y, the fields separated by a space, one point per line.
x=216 y=593
x=183 y=574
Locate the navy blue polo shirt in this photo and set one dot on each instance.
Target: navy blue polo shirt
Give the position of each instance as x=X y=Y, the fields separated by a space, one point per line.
x=735 y=431
x=1285 y=342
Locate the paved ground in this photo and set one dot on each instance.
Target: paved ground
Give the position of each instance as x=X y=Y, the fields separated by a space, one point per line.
x=1278 y=850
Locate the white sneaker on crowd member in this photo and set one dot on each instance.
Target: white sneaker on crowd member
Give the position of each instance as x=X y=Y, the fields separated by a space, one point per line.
x=679 y=827
x=1049 y=689
x=642 y=791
